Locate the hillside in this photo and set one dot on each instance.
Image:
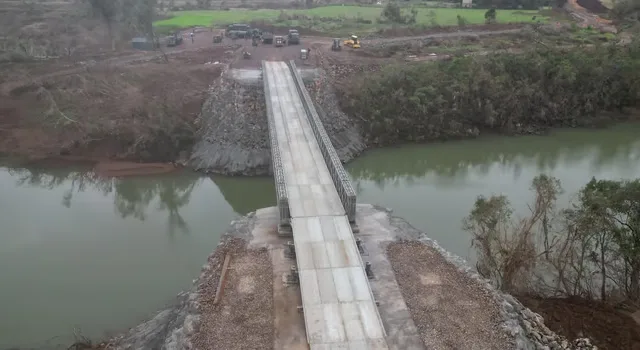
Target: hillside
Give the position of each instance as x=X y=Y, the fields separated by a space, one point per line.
x=34 y=29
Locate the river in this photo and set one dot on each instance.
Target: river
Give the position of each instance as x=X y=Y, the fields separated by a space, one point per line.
x=102 y=255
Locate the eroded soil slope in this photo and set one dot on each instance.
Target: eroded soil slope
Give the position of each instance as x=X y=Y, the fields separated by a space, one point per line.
x=139 y=110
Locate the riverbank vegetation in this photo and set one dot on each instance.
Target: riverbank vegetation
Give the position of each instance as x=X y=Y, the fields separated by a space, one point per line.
x=510 y=93
x=578 y=266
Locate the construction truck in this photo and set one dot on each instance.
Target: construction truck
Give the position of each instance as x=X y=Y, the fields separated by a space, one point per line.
x=278 y=41
x=293 y=38
x=217 y=39
x=336 y=45
x=352 y=42
x=174 y=39
x=267 y=38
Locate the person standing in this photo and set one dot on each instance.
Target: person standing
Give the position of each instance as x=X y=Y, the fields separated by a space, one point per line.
x=192 y=35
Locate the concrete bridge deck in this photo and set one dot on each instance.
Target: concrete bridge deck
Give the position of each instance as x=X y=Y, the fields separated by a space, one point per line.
x=338 y=305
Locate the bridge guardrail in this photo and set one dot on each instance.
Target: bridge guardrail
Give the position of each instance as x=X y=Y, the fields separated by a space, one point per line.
x=282 y=197
x=339 y=175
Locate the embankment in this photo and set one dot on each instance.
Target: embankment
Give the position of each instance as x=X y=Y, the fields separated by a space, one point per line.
x=504 y=93
x=139 y=108
x=244 y=317
x=233 y=131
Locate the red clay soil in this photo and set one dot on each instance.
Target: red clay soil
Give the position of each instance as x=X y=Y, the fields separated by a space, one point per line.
x=608 y=328
x=125 y=169
x=125 y=110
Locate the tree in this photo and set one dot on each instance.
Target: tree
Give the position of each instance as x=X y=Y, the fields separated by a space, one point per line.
x=507 y=248
x=108 y=11
x=615 y=207
x=626 y=12
x=591 y=250
x=462 y=22
x=392 y=13
x=490 y=16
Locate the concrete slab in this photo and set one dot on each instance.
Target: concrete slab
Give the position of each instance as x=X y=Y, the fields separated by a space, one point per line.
x=330 y=270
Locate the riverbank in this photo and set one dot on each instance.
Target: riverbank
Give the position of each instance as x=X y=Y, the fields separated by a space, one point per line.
x=139 y=108
x=204 y=108
x=507 y=94
x=254 y=286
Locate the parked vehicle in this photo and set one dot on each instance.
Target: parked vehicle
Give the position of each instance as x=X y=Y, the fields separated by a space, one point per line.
x=174 y=39
x=267 y=38
x=279 y=41
x=353 y=42
x=293 y=38
x=217 y=38
x=304 y=54
x=336 y=45
x=239 y=30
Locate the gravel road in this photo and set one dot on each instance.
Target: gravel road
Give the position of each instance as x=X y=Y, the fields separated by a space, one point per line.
x=243 y=319
x=449 y=309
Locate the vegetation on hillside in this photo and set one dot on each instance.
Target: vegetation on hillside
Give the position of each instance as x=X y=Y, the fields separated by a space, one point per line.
x=589 y=252
x=626 y=12
x=42 y=29
x=505 y=93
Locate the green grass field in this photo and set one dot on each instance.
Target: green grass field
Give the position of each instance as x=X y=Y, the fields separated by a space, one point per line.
x=333 y=18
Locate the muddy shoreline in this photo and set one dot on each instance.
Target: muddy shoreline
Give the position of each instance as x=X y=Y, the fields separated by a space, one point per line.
x=388 y=239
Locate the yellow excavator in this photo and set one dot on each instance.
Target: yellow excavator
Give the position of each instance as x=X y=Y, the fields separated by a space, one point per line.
x=353 y=42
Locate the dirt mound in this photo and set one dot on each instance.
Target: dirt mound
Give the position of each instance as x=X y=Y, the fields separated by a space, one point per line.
x=608 y=328
x=139 y=111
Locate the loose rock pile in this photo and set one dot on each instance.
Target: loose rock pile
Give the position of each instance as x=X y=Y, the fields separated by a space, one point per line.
x=233 y=135
x=343 y=131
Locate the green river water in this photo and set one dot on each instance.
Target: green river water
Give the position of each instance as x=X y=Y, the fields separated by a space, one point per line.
x=103 y=255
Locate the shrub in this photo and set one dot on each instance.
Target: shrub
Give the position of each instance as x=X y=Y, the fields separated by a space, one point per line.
x=505 y=93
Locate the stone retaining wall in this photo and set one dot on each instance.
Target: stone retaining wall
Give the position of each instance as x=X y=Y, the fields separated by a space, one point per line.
x=339 y=175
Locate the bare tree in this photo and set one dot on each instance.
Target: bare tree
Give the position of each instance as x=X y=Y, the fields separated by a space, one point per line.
x=108 y=11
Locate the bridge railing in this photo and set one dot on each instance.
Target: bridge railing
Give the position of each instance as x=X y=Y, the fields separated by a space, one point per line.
x=282 y=197
x=339 y=175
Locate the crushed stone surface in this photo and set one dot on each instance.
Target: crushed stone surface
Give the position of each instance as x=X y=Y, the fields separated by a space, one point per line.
x=243 y=319
x=450 y=310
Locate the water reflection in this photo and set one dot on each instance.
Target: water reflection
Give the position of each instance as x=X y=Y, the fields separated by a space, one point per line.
x=434 y=186
x=117 y=248
x=132 y=196
x=453 y=163
x=237 y=191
